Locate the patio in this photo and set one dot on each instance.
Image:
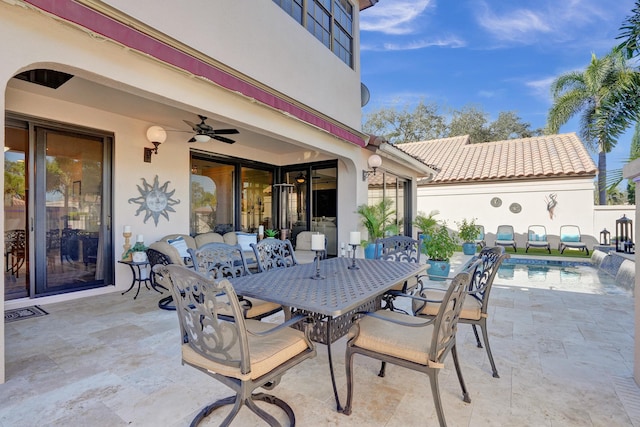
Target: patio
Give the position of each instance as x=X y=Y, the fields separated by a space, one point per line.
x=564 y=358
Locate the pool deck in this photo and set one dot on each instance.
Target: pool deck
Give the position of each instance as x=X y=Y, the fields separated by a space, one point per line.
x=564 y=358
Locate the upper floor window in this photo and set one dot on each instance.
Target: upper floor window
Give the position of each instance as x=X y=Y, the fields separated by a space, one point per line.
x=330 y=21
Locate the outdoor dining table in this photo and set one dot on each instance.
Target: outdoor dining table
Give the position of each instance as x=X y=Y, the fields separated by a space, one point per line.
x=331 y=300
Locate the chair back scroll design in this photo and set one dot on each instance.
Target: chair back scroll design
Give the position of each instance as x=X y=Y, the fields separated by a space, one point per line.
x=219 y=260
x=398 y=248
x=223 y=261
x=399 y=339
x=223 y=347
x=274 y=253
x=198 y=302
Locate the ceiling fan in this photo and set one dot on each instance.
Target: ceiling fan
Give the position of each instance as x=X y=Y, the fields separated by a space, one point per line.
x=205 y=132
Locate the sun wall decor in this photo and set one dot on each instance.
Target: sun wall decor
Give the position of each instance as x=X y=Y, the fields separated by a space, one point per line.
x=154 y=200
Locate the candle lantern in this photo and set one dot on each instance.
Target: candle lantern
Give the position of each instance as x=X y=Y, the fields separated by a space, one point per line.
x=624 y=238
x=605 y=237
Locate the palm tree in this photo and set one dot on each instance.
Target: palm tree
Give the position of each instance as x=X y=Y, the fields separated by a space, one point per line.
x=600 y=94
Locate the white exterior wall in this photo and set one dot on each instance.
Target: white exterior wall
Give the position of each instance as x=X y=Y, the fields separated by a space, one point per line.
x=455 y=202
x=299 y=66
x=31 y=39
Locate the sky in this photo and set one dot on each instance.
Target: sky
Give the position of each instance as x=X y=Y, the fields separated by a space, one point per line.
x=500 y=55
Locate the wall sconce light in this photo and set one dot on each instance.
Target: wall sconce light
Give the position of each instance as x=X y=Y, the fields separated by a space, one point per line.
x=156 y=135
x=300 y=178
x=374 y=163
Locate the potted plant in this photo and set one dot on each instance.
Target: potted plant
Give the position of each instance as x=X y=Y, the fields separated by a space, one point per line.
x=468 y=232
x=378 y=220
x=425 y=224
x=270 y=233
x=138 y=252
x=439 y=248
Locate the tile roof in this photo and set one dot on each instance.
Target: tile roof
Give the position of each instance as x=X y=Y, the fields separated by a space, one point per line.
x=548 y=156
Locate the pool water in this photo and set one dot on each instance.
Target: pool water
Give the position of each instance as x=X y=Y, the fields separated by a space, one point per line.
x=580 y=278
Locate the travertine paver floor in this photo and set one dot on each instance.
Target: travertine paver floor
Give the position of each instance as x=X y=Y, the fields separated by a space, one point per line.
x=564 y=358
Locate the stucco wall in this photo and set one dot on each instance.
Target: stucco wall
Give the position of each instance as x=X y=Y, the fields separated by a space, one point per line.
x=283 y=54
x=574 y=206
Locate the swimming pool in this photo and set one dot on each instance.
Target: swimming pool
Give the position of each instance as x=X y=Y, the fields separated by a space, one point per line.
x=581 y=277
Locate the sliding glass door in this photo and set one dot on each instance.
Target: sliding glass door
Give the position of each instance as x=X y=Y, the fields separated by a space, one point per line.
x=57 y=214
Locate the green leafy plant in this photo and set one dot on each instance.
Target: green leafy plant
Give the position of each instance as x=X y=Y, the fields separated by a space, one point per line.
x=426 y=223
x=269 y=232
x=138 y=247
x=378 y=219
x=441 y=245
x=468 y=230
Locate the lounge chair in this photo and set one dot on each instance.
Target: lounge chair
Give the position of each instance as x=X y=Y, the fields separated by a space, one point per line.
x=480 y=239
x=570 y=237
x=537 y=238
x=506 y=237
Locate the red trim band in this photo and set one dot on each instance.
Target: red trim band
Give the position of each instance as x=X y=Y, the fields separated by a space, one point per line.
x=107 y=27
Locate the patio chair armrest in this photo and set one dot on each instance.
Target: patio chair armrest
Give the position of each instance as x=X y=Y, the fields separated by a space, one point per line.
x=295 y=319
x=413 y=297
x=399 y=322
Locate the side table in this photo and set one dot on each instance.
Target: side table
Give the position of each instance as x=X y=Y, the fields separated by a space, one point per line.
x=140 y=275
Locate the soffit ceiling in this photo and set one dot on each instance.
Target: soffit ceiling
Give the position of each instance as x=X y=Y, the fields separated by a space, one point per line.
x=141 y=106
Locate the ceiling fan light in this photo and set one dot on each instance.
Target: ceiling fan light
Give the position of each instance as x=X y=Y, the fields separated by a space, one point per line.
x=202 y=138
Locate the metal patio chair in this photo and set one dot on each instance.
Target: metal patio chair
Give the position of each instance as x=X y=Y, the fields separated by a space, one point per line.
x=537 y=238
x=476 y=306
x=155 y=257
x=274 y=253
x=412 y=342
x=570 y=237
x=399 y=249
x=218 y=261
x=506 y=237
x=243 y=354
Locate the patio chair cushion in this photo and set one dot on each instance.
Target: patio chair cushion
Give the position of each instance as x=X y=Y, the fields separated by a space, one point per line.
x=204 y=238
x=471 y=307
x=390 y=339
x=570 y=238
x=266 y=353
x=504 y=236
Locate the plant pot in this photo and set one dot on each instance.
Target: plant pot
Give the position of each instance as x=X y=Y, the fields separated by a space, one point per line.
x=139 y=257
x=439 y=270
x=469 y=248
x=370 y=251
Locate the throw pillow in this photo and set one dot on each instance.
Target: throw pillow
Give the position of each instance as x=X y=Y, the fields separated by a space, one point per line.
x=181 y=246
x=245 y=240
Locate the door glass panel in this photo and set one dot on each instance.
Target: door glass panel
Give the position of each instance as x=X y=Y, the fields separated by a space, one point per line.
x=72 y=226
x=324 y=206
x=300 y=181
x=211 y=197
x=15 y=214
x=256 y=197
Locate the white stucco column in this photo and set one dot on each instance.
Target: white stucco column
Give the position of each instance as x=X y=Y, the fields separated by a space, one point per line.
x=632 y=171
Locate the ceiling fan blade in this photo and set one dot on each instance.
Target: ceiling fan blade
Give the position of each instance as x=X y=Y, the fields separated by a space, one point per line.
x=225 y=131
x=191 y=125
x=223 y=139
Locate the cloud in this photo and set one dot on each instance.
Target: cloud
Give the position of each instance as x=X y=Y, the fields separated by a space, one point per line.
x=452 y=42
x=541 y=87
x=486 y=93
x=395 y=17
x=544 y=20
x=516 y=25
